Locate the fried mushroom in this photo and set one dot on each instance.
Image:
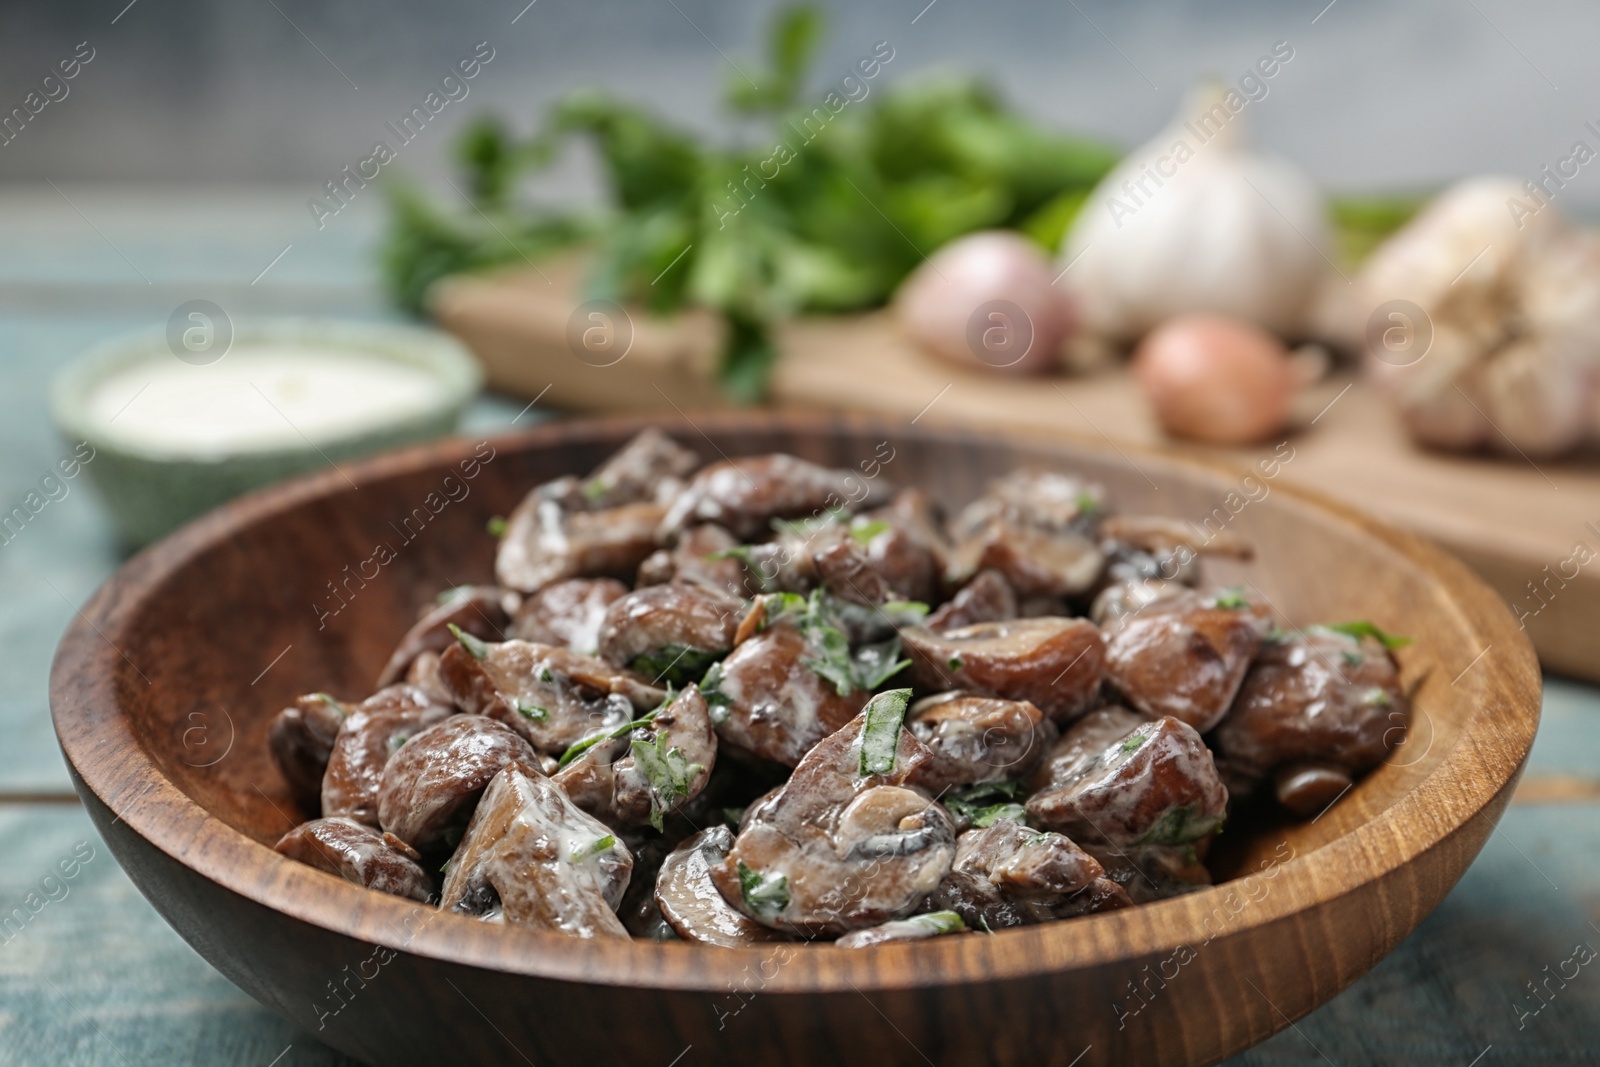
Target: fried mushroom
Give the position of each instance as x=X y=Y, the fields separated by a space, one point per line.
x=650 y=772
x=1055 y=663
x=567 y=614
x=986 y=598
x=845 y=843
x=976 y=739
x=531 y=856
x=301 y=739
x=690 y=902
x=434 y=779
x=1185 y=655
x=1038 y=529
x=374 y=730
x=1318 y=707
x=550 y=696
x=745 y=495
x=1009 y=875
x=358 y=853
x=481 y=610
x=669 y=633
x=1158 y=785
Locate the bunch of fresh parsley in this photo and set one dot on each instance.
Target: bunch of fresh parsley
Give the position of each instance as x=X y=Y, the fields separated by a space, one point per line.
x=851 y=211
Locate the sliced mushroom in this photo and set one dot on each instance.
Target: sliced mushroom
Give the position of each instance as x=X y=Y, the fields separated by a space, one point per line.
x=360 y=854
x=1008 y=875
x=301 y=739
x=1156 y=786
x=423 y=674
x=1185 y=655
x=480 y=610
x=651 y=772
x=846 y=572
x=706 y=556
x=374 y=730
x=1038 y=529
x=650 y=468
x=1055 y=663
x=917 y=928
x=845 y=844
x=532 y=857
x=550 y=696
x=567 y=614
x=905 y=542
x=1160 y=536
x=987 y=598
x=669 y=633
x=431 y=783
x=975 y=739
x=745 y=495
x=1315 y=704
x=767 y=699
x=689 y=900
x=547 y=541
x=1083 y=741
x=1153 y=872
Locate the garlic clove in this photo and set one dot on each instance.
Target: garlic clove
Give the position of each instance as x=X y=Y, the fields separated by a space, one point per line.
x=1536 y=399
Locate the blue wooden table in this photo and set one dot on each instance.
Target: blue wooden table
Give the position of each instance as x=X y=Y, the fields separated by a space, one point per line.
x=95 y=977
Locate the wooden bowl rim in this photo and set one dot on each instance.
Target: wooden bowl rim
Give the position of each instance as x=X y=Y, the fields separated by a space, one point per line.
x=109 y=763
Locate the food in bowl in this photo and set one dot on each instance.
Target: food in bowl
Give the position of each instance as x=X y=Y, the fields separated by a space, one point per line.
x=767 y=700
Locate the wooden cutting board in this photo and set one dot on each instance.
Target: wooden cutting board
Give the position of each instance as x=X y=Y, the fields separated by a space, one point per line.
x=1533 y=532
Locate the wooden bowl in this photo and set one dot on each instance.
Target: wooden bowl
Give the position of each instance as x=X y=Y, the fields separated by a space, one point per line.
x=163 y=688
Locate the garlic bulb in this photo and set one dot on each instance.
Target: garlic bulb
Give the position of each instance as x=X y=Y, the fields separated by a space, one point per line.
x=1511 y=296
x=1196 y=221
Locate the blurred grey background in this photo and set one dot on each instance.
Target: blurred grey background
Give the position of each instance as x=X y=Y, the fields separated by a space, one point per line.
x=285 y=92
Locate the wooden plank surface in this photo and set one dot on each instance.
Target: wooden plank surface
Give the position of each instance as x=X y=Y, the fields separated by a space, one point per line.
x=1509 y=518
x=97 y=978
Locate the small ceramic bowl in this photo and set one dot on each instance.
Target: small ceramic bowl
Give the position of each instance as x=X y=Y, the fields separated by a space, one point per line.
x=151 y=490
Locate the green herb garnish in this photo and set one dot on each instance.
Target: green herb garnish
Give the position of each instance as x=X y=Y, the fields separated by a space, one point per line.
x=1232 y=599
x=475 y=647
x=612 y=734
x=532 y=711
x=954 y=663
x=675 y=663
x=1362 y=628
x=940 y=922
x=1180 y=826
x=1132 y=742
x=593 y=849
x=880 y=734
x=594 y=489
x=863 y=533
x=976 y=803
x=668 y=771
x=1376 y=697
x=764 y=894
x=497 y=526
x=1087 y=504
x=825 y=206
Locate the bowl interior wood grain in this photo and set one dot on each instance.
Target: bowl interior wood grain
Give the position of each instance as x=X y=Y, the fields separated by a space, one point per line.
x=163 y=691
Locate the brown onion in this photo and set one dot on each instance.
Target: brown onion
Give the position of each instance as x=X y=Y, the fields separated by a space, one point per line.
x=986 y=301
x=1215 y=379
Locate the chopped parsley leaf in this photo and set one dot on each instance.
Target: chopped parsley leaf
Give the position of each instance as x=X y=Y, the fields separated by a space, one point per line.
x=532 y=711
x=497 y=526
x=1362 y=628
x=475 y=647
x=880 y=735
x=765 y=894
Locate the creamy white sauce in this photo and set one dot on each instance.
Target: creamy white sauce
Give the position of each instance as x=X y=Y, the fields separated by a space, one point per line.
x=257 y=398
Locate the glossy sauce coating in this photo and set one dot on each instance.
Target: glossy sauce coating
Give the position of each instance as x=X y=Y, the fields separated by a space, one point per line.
x=439 y=774
x=1185 y=656
x=358 y=853
x=530 y=856
x=374 y=730
x=567 y=614
x=1158 y=785
x=836 y=850
x=1054 y=663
